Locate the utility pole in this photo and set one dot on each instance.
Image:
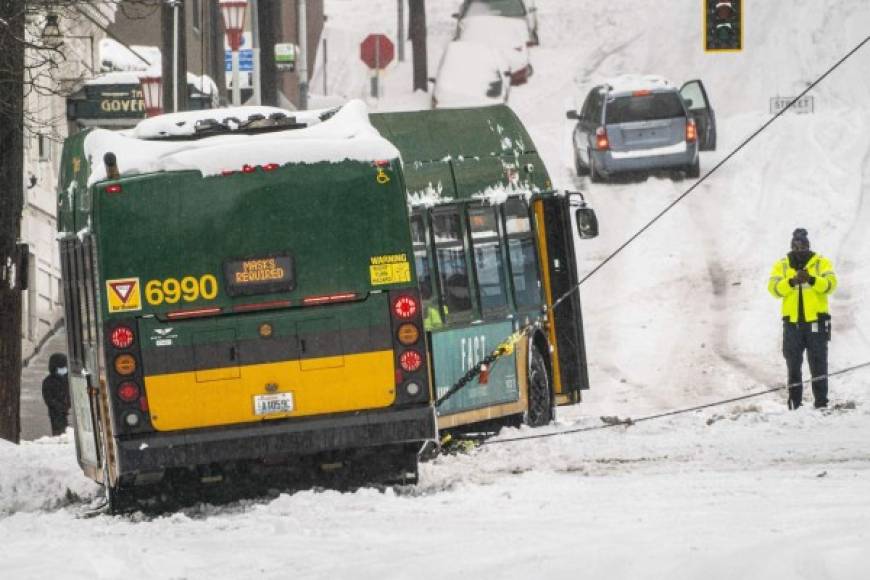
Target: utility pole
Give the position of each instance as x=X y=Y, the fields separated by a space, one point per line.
x=417 y=25
x=11 y=204
x=302 y=58
x=269 y=14
x=174 y=50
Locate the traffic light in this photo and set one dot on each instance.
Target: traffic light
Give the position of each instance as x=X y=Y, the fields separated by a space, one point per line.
x=723 y=25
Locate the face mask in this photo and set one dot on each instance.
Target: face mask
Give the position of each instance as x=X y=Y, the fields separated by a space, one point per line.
x=62 y=371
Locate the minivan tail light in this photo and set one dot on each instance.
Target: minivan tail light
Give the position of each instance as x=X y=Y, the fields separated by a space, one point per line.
x=602 y=143
x=642 y=93
x=691 y=131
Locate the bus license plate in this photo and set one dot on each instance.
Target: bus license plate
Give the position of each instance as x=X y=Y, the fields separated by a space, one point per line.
x=270 y=404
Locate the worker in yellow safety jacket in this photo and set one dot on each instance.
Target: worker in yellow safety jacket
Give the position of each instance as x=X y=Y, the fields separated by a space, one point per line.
x=803 y=280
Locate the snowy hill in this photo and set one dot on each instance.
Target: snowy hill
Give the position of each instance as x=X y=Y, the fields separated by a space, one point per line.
x=680 y=318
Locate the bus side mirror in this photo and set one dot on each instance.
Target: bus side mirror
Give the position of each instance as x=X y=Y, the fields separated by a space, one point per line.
x=587 y=223
x=572 y=114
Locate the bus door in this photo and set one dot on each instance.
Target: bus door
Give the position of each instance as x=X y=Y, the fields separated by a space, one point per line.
x=469 y=274
x=78 y=270
x=559 y=264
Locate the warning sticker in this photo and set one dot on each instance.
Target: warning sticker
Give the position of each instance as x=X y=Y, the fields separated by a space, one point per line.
x=124 y=295
x=390 y=269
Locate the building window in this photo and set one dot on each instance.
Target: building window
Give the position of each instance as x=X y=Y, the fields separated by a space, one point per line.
x=44 y=146
x=196 y=15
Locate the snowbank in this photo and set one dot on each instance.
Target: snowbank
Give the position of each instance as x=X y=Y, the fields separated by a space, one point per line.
x=41 y=475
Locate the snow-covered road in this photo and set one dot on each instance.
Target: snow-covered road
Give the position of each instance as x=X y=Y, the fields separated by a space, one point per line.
x=680 y=318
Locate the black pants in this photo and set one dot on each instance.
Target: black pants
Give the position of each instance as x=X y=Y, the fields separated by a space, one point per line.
x=796 y=338
x=58 y=421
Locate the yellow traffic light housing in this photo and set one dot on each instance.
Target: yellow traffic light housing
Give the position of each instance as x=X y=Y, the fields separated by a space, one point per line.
x=723 y=25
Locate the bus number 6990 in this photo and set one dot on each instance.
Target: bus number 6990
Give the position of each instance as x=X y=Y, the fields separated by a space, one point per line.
x=188 y=289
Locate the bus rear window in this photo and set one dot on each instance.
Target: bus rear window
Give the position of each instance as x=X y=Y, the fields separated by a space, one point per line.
x=644 y=108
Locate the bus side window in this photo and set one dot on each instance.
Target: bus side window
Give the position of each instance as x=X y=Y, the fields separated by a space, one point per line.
x=431 y=315
x=450 y=255
x=521 y=251
x=488 y=264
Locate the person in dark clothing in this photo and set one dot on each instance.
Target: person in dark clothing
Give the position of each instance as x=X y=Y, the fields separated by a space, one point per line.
x=803 y=280
x=55 y=393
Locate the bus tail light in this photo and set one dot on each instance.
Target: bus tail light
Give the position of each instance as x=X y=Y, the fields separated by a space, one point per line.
x=691 y=131
x=410 y=361
x=405 y=307
x=128 y=391
x=122 y=337
x=602 y=143
x=125 y=364
x=413 y=389
x=408 y=333
x=329 y=298
x=126 y=376
x=194 y=313
x=410 y=352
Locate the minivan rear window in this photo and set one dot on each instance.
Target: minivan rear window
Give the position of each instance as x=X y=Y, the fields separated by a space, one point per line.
x=644 y=108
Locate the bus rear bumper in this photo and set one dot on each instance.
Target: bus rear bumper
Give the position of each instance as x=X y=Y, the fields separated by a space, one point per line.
x=301 y=437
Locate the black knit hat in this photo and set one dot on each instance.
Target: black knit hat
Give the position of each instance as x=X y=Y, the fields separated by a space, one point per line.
x=801 y=236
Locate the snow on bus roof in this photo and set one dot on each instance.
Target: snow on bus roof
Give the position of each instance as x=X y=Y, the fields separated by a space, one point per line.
x=347 y=135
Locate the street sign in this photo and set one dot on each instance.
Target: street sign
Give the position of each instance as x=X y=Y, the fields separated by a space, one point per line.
x=246 y=60
x=804 y=105
x=376 y=51
x=285 y=56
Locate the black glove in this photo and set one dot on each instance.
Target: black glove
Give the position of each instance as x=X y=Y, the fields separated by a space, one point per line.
x=801 y=277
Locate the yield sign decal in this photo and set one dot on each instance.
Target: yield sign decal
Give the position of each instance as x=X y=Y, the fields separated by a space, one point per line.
x=123 y=295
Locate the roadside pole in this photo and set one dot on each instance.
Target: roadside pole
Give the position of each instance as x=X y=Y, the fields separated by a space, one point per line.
x=302 y=59
x=255 y=42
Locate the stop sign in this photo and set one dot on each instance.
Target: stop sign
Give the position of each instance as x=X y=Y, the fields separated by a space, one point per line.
x=376 y=51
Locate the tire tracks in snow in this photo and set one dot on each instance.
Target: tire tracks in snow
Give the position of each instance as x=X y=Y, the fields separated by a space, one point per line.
x=720 y=295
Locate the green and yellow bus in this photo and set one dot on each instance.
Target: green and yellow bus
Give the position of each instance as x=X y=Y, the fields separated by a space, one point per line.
x=246 y=287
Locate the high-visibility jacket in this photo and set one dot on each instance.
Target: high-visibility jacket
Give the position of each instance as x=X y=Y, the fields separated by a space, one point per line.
x=815 y=296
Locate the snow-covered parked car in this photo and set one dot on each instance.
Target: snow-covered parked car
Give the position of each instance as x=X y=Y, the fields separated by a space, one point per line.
x=507 y=35
x=470 y=75
x=518 y=9
x=642 y=123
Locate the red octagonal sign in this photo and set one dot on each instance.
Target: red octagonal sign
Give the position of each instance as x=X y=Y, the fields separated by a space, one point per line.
x=376 y=51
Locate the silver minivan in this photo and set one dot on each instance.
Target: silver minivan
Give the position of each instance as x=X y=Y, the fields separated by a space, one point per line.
x=635 y=124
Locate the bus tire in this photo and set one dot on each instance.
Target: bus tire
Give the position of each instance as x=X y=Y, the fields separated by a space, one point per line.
x=539 y=409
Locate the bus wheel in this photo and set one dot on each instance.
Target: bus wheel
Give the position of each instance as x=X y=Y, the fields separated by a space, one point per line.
x=121 y=499
x=540 y=406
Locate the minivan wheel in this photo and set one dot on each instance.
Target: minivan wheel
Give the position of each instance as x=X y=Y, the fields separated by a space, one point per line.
x=694 y=170
x=593 y=171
